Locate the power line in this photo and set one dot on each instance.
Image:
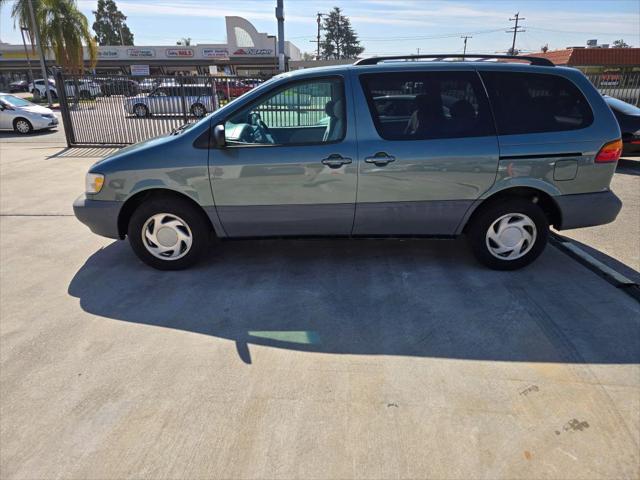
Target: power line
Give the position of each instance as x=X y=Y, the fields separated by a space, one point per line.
x=515 y=29
x=429 y=37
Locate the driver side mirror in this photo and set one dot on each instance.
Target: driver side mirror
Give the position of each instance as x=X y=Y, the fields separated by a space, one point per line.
x=218 y=136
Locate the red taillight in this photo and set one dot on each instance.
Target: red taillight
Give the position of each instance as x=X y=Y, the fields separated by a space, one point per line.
x=610 y=152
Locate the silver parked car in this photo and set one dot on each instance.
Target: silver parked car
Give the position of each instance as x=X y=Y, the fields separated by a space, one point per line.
x=172 y=99
x=23 y=116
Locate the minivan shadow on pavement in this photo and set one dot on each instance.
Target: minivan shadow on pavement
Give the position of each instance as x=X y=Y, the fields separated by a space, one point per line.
x=423 y=298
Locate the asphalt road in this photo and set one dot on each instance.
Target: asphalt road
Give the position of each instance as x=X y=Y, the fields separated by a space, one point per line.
x=299 y=358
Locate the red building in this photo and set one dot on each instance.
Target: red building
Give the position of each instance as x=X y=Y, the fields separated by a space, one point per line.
x=595 y=60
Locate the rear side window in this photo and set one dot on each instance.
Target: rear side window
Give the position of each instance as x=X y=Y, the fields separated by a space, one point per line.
x=536 y=103
x=427 y=105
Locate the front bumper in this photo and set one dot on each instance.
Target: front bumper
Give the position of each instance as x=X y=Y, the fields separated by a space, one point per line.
x=587 y=209
x=100 y=216
x=41 y=122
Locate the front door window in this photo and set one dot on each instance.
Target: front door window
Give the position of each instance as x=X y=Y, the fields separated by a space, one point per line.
x=311 y=112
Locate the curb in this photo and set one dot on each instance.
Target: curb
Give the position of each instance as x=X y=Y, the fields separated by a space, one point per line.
x=604 y=271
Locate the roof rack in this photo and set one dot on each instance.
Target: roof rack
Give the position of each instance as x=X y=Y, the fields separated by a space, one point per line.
x=539 y=61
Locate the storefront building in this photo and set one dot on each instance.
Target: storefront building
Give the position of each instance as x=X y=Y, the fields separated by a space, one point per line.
x=247 y=52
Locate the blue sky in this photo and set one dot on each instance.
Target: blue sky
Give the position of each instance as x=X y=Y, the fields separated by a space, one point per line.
x=384 y=26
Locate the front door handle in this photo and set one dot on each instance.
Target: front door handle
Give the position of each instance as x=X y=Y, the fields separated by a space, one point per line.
x=336 y=161
x=380 y=159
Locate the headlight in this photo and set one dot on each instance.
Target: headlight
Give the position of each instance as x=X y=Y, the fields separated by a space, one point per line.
x=93 y=182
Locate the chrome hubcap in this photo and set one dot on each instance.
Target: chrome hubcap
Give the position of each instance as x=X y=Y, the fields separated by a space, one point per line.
x=166 y=236
x=141 y=111
x=198 y=111
x=22 y=126
x=511 y=236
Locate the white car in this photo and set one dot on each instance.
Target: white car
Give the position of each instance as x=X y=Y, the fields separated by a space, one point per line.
x=87 y=89
x=23 y=116
x=167 y=99
x=38 y=87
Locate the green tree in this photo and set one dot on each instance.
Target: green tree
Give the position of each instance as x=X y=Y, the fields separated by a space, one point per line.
x=620 y=44
x=110 y=26
x=63 y=29
x=340 y=41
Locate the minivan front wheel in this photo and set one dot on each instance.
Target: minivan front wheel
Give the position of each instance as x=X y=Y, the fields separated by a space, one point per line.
x=168 y=233
x=508 y=235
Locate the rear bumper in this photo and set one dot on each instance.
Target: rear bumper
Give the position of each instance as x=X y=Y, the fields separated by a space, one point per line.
x=99 y=215
x=587 y=209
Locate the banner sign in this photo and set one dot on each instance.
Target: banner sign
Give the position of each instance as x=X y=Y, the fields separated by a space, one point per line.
x=108 y=53
x=179 y=52
x=254 y=51
x=140 y=70
x=141 y=52
x=221 y=53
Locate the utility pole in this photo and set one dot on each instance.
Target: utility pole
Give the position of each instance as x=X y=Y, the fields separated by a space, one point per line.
x=121 y=37
x=26 y=53
x=464 y=52
x=515 y=29
x=317 y=40
x=338 y=37
x=280 y=18
x=43 y=65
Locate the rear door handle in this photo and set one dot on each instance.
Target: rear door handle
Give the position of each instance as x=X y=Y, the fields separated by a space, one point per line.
x=336 y=160
x=380 y=159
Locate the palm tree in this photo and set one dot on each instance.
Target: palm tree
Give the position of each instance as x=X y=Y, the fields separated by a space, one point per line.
x=63 y=29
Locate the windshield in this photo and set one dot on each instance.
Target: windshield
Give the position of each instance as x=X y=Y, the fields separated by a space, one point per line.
x=15 y=101
x=622 y=107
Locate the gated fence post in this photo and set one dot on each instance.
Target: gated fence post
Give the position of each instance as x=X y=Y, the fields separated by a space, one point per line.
x=184 y=99
x=64 y=107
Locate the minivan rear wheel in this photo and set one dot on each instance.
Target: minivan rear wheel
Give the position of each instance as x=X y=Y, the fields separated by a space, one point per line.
x=508 y=235
x=168 y=233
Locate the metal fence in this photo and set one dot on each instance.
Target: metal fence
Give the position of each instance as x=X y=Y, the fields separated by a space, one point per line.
x=101 y=110
x=624 y=86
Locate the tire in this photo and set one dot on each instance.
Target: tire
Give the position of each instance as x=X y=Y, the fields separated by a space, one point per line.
x=22 y=126
x=85 y=95
x=198 y=110
x=140 y=110
x=509 y=234
x=185 y=237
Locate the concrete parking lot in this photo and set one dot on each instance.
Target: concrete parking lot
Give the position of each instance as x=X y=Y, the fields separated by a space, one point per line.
x=299 y=358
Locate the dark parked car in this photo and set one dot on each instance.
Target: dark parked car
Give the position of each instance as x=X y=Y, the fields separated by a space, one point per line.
x=118 y=86
x=19 y=86
x=628 y=117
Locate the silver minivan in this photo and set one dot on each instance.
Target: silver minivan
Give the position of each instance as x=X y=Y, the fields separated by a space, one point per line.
x=496 y=151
